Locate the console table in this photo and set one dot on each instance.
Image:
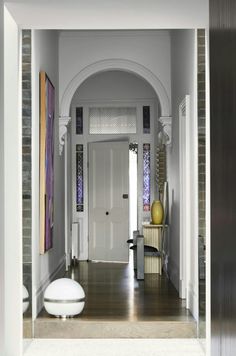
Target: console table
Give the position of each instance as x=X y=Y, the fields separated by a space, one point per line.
x=153 y=237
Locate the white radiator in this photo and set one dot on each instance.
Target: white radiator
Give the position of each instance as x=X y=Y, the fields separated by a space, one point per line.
x=75 y=240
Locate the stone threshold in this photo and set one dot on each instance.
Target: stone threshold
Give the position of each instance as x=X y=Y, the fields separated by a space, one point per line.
x=86 y=329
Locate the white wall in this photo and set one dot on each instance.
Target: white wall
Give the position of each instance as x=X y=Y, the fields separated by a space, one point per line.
x=150 y=49
x=11 y=183
x=107 y=14
x=45 y=57
x=184 y=78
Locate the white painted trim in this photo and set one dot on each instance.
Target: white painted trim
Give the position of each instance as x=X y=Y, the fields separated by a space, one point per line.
x=166 y=123
x=12 y=202
x=189 y=193
x=17 y=209
x=58 y=273
x=194 y=184
x=67 y=253
x=116 y=64
x=63 y=123
x=34 y=167
x=112 y=33
x=2 y=227
x=185 y=206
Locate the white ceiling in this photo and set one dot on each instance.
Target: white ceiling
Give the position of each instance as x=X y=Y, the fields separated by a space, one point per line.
x=109 y=14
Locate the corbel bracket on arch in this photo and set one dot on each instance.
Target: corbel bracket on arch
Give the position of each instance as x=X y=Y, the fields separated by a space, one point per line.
x=63 y=123
x=166 y=122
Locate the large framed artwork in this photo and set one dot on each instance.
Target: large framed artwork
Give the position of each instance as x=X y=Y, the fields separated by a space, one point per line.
x=47 y=111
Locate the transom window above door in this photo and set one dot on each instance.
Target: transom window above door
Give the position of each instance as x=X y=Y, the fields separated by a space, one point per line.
x=112 y=120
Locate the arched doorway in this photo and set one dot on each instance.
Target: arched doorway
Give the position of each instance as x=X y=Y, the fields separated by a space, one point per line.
x=112 y=106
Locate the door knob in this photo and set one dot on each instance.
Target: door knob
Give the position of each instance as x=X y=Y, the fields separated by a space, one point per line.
x=107 y=213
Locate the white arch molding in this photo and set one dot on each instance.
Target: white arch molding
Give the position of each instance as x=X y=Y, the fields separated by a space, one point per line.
x=103 y=66
x=115 y=64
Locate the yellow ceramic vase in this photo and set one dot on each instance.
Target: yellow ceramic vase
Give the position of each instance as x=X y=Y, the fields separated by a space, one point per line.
x=157 y=212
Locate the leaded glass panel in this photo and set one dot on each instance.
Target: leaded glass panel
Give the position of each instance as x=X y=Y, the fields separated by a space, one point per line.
x=79 y=121
x=112 y=120
x=146 y=176
x=146 y=119
x=79 y=178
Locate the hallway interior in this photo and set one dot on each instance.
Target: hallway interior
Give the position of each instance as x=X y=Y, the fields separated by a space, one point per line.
x=117 y=305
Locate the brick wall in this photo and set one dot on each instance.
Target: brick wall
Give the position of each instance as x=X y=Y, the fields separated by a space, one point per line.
x=26 y=156
x=201 y=149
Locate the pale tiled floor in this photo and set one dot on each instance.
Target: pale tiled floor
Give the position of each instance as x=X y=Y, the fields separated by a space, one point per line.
x=114 y=347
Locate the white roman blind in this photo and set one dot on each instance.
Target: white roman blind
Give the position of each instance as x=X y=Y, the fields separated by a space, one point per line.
x=112 y=120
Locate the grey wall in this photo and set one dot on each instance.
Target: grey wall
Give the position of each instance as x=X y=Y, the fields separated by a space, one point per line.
x=114 y=85
x=223 y=176
x=45 y=57
x=183 y=77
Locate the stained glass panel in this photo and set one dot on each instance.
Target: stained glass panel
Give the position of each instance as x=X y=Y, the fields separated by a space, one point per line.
x=146 y=176
x=79 y=121
x=146 y=119
x=79 y=178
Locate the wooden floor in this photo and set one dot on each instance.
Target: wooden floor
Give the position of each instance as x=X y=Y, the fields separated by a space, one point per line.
x=117 y=305
x=113 y=293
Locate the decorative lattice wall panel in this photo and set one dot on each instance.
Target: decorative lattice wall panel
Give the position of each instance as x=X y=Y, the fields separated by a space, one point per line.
x=160 y=168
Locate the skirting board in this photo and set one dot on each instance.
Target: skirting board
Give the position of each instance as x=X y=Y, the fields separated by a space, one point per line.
x=58 y=273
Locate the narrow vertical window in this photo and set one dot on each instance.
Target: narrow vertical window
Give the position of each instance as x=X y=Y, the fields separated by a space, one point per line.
x=79 y=121
x=146 y=176
x=79 y=178
x=146 y=119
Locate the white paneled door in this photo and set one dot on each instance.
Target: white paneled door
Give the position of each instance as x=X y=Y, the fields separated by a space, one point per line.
x=108 y=201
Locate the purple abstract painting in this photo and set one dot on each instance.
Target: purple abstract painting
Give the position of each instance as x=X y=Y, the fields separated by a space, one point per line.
x=47 y=111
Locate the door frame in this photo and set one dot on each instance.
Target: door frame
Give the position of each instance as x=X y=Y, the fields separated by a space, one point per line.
x=86 y=138
x=12 y=305
x=185 y=196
